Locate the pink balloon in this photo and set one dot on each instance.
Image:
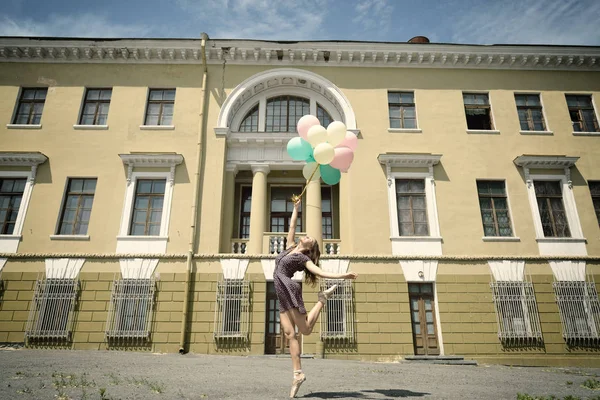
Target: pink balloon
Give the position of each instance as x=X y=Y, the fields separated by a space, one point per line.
x=350 y=141
x=305 y=123
x=342 y=158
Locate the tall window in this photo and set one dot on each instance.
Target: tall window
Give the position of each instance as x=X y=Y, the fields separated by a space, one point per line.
x=250 y=121
x=31 y=105
x=337 y=321
x=11 y=193
x=401 y=107
x=583 y=116
x=147 y=208
x=529 y=108
x=245 y=214
x=494 y=208
x=283 y=113
x=232 y=312
x=77 y=207
x=159 y=110
x=412 y=207
x=323 y=116
x=552 y=209
x=478 y=111
x=326 y=211
x=595 y=191
x=282 y=207
x=95 y=107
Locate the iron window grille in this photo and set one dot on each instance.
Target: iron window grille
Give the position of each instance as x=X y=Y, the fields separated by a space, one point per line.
x=412 y=207
x=579 y=309
x=516 y=313
x=232 y=314
x=159 y=110
x=551 y=208
x=51 y=314
x=478 y=111
x=583 y=115
x=130 y=309
x=31 y=106
x=494 y=208
x=529 y=108
x=401 y=107
x=95 y=107
x=337 y=321
x=77 y=207
x=11 y=194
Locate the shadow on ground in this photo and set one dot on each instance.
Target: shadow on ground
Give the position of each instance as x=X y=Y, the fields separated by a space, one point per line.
x=366 y=394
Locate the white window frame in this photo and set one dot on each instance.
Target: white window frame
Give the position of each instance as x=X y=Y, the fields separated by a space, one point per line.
x=596 y=112
x=548 y=131
x=127 y=243
x=574 y=245
x=413 y=245
x=514 y=237
x=10 y=243
x=404 y=130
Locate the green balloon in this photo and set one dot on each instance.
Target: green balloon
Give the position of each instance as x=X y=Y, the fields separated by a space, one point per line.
x=299 y=149
x=330 y=175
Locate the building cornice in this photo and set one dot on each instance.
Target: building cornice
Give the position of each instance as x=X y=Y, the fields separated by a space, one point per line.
x=409 y=160
x=248 y=52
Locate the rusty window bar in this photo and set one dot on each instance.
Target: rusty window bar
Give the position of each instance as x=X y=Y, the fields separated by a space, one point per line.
x=232 y=315
x=516 y=313
x=579 y=310
x=51 y=313
x=337 y=321
x=130 y=309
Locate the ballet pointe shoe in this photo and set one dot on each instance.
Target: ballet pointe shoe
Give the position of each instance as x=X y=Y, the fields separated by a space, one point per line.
x=325 y=294
x=299 y=379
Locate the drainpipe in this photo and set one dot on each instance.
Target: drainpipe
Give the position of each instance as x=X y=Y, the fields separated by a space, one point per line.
x=199 y=167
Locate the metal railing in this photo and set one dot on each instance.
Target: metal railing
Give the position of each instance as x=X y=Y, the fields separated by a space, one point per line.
x=130 y=310
x=337 y=321
x=579 y=310
x=232 y=314
x=516 y=313
x=51 y=313
x=276 y=242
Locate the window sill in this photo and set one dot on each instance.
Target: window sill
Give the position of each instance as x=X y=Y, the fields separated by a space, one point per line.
x=501 y=239
x=24 y=126
x=69 y=237
x=586 y=133
x=548 y=133
x=11 y=237
x=416 y=239
x=157 y=127
x=91 y=127
x=483 y=131
x=404 y=130
x=142 y=238
x=560 y=240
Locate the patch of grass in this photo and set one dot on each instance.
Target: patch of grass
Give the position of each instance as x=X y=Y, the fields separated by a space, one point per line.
x=592 y=383
x=25 y=390
x=103 y=395
x=114 y=379
x=153 y=386
x=525 y=396
x=569 y=382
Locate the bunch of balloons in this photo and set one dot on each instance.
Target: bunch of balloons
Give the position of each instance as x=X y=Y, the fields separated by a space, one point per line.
x=327 y=152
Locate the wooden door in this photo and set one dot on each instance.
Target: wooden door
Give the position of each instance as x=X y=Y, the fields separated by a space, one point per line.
x=422 y=312
x=273 y=333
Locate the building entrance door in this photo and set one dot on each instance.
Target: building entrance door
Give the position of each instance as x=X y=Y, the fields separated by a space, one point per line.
x=275 y=342
x=422 y=312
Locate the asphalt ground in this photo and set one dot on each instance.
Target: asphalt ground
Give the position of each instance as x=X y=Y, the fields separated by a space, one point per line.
x=68 y=374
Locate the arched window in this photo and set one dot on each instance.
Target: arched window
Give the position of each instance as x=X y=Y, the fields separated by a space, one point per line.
x=283 y=113
x=323 y=116
x=250 y=121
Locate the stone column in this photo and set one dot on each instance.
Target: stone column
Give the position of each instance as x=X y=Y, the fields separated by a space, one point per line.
x=228 y=209
x=314 y=217
x=258 y=209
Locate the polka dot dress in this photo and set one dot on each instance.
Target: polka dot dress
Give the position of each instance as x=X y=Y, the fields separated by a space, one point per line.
x=289 y=292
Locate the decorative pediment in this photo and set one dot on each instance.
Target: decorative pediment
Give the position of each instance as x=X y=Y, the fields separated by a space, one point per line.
x=549 y=162
x=251 y=52
x=409 y=160
x=22 y=159
x=154 y=160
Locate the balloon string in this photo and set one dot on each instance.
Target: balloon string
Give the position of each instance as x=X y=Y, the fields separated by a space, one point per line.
x=296 y=198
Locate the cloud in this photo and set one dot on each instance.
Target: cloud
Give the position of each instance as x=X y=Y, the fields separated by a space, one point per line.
x=570 y=22
x=374 y=16
x=80 y=25
x=260 y=19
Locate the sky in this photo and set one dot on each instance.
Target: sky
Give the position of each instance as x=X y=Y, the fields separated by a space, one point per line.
x=558 y=22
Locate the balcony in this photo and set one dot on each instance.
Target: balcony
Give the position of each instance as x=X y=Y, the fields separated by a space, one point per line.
x=275 y=243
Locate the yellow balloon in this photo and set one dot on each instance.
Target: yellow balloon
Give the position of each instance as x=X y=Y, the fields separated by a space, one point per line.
x=336 y=132
x=316 y=134
x=324 y=153
x=309 y=169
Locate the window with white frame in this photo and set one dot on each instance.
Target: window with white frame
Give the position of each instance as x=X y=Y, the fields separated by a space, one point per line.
x=582 y=113
x=579 y=309
x=77 y=206
x=337 y=321
x=529 y=108
x=147 y=207
x=11 y=194
x=31 y=106
x=493 y=204
x=95 y=107
x=412 y=207
x=401 y=107
x=595 y=192
x=551 y=208
x=159 y=110
x=232 y=310
x=516 y=312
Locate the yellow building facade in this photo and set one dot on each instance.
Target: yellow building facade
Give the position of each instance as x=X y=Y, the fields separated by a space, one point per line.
x=145 y=191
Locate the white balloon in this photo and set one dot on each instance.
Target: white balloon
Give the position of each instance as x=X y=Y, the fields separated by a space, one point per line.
x=316 y=134
x=308 y=170
x=324 y=153
x=336 y=132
